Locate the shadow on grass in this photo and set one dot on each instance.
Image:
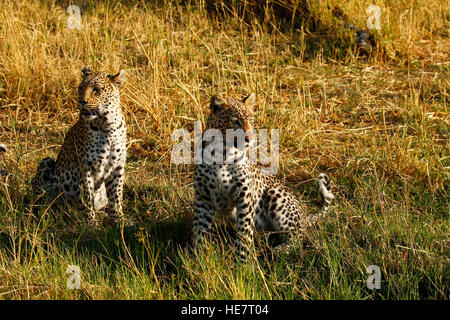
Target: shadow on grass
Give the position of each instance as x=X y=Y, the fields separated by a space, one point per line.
x=152 y=242
x=309 y=33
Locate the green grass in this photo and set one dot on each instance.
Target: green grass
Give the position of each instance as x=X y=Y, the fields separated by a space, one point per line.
x=378 y=125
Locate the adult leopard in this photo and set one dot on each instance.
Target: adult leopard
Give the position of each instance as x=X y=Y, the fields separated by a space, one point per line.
x=91 y=162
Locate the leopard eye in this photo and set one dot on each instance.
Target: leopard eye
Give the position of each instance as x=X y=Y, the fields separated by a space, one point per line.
x=96 y=90
x=236 y=122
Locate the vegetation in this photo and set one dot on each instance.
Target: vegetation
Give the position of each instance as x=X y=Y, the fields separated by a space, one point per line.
x=377 y=123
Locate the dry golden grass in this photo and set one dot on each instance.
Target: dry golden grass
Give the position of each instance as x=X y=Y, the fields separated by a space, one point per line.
x=378 y=125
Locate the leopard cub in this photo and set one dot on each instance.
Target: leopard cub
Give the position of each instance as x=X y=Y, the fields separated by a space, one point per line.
x=239 y=191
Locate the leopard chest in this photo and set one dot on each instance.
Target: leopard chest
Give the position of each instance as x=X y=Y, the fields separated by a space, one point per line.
x=105 y=150
x=228 y=182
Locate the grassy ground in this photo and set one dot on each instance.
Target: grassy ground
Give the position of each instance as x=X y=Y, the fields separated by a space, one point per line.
x=378 y=124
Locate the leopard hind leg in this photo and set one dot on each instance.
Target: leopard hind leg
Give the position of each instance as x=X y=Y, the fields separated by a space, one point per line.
x=44 y=181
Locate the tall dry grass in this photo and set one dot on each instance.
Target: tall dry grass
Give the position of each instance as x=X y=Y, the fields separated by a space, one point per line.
x=378 y=125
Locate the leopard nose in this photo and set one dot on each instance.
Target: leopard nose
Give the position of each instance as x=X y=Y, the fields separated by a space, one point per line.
x=249 y=136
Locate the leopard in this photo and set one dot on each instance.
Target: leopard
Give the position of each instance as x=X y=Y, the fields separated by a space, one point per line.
x=89 y=170
x=239 y=191
x=3 y=150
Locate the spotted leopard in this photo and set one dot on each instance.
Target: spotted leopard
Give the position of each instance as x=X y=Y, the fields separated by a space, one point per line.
x=90 y=164
x=3 y=149
x=237 y=190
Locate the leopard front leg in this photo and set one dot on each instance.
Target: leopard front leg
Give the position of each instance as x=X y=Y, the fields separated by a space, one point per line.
x=203 y=215
x=245 y=223
x=88 y=184
x=114 y=191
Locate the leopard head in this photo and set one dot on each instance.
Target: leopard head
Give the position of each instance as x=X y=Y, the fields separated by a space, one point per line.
x=228 y=113
x=98 y=93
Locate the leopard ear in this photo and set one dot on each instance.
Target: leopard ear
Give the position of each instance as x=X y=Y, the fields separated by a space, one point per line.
x=118 y=78
x=250 y=101
x=86 y=71
x=216 y=104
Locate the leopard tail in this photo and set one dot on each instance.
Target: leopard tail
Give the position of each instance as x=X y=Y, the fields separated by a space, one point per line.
x=323 y=182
